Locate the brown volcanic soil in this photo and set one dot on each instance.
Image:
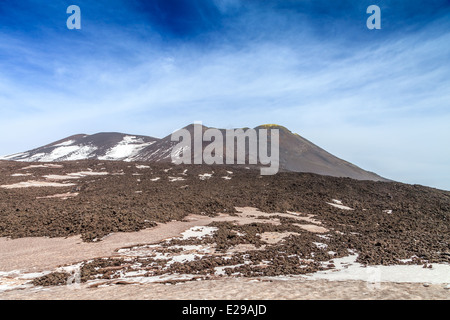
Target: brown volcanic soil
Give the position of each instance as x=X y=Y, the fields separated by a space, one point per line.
x=241 y=289
x=127 y=199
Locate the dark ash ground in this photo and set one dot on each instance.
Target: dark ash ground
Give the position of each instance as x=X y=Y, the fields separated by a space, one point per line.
x=390 y=221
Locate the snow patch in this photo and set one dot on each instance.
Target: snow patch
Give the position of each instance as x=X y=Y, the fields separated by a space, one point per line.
x=75 y=175
x=348 y=269
x=320 y=245
x=52 y=166
x=126 y=149
x=15 y=156
x=29 y=184
x=142 y=167
x=81 y=154
x=205 y=176
x=63 y=196
x=173 y=179
x=68 y=153
x=338 y=204
x=65 y=143
x=198 y=232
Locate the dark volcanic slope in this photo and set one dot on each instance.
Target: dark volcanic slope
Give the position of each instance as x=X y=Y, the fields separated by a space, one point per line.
x=130 y=198
x=296 y=153
x=300 y=155
x=103 y=146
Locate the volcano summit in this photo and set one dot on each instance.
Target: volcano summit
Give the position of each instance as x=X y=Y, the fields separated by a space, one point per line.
x=296 y=153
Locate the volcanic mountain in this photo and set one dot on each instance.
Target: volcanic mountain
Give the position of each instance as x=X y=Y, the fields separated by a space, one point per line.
x=296 y=153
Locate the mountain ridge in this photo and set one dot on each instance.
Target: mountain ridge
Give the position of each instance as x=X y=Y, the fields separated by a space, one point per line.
x=297 y=154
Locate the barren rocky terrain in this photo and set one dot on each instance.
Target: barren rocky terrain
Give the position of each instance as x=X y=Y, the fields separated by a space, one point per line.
x=222 y=222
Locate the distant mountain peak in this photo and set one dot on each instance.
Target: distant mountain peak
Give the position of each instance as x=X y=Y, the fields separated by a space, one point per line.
x=296 y=153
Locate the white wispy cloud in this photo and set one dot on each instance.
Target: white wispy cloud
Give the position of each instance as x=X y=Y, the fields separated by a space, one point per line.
x=384 y=107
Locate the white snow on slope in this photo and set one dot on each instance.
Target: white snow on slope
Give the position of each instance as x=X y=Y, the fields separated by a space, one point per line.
x=205 y=176
x=338 y=204
x=75 y=175
x=198 y=232
x=16 y=155
x=126 y=149
x=82 y=153
x=348 y=269
x=173 y=179
x=59 y=153
x=142 y=167
x=65 y=143
x=34 y=158
x=30 y=184
x=49 y=165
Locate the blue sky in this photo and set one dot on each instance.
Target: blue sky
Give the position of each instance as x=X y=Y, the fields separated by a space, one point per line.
x=377 y=98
